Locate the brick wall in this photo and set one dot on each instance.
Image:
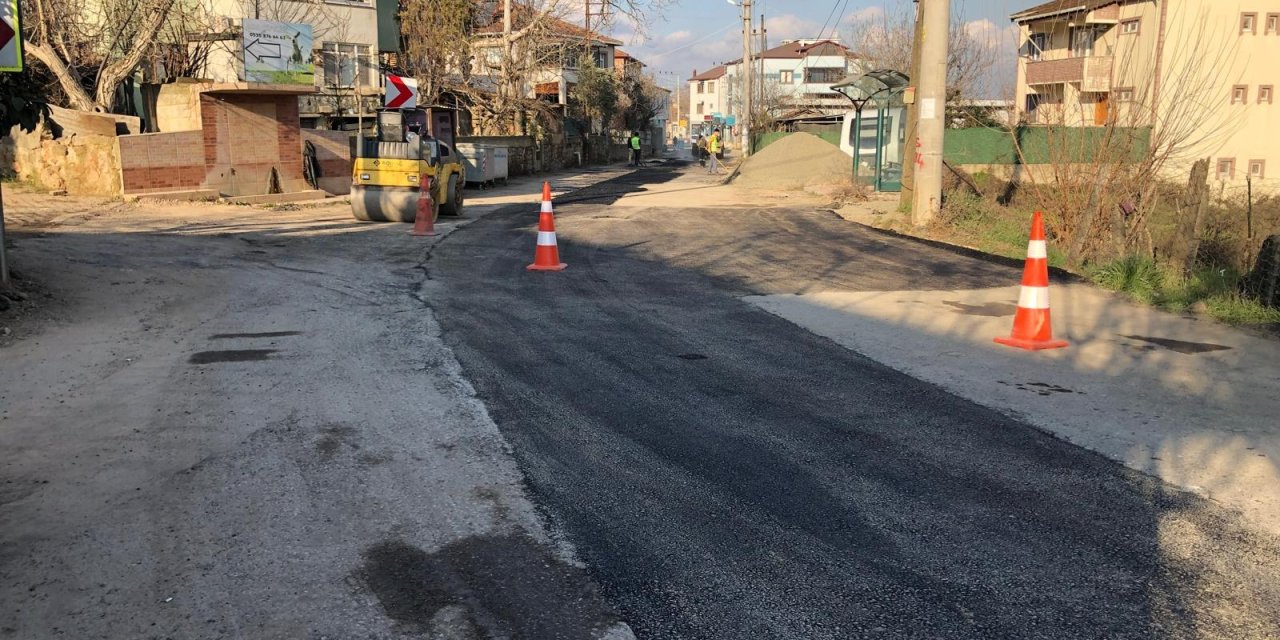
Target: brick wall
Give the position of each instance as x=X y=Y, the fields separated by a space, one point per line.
x=241 y=139
x=161 y=162
x=1055 y=71
x=245 y=136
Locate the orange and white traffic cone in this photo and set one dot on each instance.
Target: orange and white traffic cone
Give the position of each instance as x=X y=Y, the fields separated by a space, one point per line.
x=424 y=224
x=547 y=256
x=1031 y=326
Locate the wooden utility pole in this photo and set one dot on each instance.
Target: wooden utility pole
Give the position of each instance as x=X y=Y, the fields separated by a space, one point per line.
x=931 y=93
x=746 y=78
x=913 y=115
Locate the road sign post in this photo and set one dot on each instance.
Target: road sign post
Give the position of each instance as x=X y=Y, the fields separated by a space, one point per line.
x=402 y=93
x=10 y=62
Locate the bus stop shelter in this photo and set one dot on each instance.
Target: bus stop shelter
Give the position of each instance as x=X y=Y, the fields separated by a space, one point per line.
x=885 y=142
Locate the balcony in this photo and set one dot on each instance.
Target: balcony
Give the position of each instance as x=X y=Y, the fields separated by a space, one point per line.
x=1092 y=73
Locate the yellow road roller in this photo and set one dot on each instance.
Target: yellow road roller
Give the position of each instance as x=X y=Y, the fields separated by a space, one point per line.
x=388 y=168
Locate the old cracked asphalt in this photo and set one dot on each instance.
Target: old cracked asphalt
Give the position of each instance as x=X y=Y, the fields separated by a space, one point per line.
x=726 y=474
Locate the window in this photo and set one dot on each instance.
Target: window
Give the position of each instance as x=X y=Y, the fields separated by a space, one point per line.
x=1036 y=44
x=1033 y=103
x=1226 y=168
x=1239 y=94
x=346 y=65
x=1130 y=27
x=1248 y=23
x=700 y=108
x=786 y=77
x=1082 y=39
x=1258 y=169
x=711 y=87
x=1273 y=24
x=1264 y=94
x=1124 y=94
x=492 y=57
x=823 y=75
x=701 y=86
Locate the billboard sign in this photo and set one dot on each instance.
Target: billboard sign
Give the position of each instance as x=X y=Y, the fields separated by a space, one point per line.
x=278 y=53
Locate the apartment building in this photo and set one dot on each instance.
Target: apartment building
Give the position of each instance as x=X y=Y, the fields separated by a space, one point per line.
x=552 y=65
x=708 y=98
x=1197 y=71
x=797 y=77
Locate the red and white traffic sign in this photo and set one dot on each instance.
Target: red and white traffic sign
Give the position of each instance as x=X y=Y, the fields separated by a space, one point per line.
x=402 y=93
x=10 y=37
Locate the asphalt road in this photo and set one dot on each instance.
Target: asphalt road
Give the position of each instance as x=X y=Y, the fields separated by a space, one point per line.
x=725 y=474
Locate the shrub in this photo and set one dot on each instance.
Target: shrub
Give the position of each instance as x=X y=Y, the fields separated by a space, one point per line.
x=1137 y=276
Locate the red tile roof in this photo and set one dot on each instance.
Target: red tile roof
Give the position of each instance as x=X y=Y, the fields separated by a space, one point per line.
x=523 y=14
x=710 y=74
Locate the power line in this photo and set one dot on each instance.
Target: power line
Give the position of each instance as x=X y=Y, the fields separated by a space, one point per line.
x=683 y=47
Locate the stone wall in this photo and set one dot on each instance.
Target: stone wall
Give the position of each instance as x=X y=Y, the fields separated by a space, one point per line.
x=77 y=163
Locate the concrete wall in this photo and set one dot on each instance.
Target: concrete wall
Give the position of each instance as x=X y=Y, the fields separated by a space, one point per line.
x=178 y=107
x=333 y=155
x=557 y=151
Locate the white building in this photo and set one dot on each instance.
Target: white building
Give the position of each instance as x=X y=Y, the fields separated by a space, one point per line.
x=708 y=101
x=797 y=77
x=344 y=49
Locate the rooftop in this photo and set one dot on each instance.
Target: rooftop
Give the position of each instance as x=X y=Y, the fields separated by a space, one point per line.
x=1058 y=7
x=523 y=14
x=710 y=74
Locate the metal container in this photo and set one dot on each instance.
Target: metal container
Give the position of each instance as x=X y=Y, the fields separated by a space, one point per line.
x=501 y=163
x=479 y=161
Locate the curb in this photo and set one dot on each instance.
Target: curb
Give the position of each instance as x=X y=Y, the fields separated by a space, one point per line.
x=1018 y=263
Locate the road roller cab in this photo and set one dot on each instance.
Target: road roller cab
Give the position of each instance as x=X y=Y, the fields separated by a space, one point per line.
x=388 y=169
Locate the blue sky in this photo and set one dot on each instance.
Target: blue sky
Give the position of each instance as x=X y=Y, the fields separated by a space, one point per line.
x=697 y=34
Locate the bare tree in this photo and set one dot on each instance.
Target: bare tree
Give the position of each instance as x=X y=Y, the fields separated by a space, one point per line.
x=92 y=47
x=436 y=43
x=885 y=42
x=640 y=99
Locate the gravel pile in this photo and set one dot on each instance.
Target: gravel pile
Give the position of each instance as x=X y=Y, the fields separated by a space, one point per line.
x=794 y=162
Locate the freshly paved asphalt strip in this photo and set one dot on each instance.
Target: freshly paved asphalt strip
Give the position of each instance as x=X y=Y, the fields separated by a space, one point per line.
x=726 y=474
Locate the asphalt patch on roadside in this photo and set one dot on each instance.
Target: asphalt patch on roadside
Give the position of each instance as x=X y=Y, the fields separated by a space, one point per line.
x=1040 y=388
x=503 y=586
x=990 y=309
x=1181 y=346
x=230 y=355
x=263 y=334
